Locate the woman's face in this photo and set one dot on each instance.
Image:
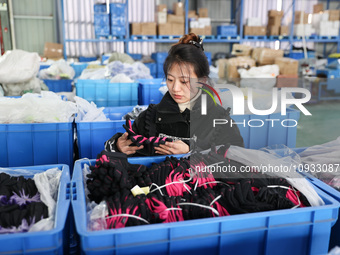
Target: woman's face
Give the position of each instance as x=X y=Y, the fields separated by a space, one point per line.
x=178 y=82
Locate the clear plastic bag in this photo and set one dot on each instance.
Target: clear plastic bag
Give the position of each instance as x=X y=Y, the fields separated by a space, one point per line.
x=276 y=164
x=88 y=112
x=58 y=70
x=47 y=183
x=46 y=107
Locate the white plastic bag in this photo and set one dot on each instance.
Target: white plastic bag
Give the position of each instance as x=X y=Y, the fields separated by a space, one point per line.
x=59 y=69
x=47 y=184
x=88 y=112
x=46 y=107
x=261 y=77
x=19 y=66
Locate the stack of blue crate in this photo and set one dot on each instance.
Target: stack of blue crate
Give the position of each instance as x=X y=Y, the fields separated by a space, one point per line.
x=159 y=58
x=101 y=20
x=118 y=13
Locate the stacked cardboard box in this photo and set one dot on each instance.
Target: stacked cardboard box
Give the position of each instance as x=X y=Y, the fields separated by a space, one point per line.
x=228 y=68
x=241 y=50
x=146 y=28
x=200 y=24
x=274 y=22
x=288 y=72
x=266 y=56
x=171 y=24
x=325 y=23
x=254 y=30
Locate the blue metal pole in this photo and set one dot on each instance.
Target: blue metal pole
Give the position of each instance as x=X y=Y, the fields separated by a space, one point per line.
x=241 y=20
x=186 y=16
x=127 y=28
x=291 y=40
x=63 y=28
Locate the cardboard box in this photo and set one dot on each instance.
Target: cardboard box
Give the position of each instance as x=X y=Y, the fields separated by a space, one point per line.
x=192 y=14
x=207 y=30
x=247 y=30
x=177 y=29
x=274 y=21
x=259 y=30
x=273 y=13
x=273 y=30
x=241 y=50
x=290 y=80
x=267 y=56
x=53 y=50
x=203 y=12
x=299 y=20
x=287 y=65
x=317 y=8
x=334 y=15
x=149 y=28
x=284 y=30
x=136 y=28
x=161 y=17
x=233 y=64
x=175 y=19
x=162 y=8
x=178 y=8
x=197 y=31
x=256 y=53
x=164 y=29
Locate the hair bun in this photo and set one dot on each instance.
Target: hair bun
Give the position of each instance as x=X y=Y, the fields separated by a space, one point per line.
x=193 y=39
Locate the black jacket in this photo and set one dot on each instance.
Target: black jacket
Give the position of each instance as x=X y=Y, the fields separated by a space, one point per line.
x=166 y=118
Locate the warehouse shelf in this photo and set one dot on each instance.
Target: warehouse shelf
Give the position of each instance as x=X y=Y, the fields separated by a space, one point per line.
x=237 y=9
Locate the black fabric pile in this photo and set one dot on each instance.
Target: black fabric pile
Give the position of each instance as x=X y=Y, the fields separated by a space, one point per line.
x=20 y=204
x=183 y=189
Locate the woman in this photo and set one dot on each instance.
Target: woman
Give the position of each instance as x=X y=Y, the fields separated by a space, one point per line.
x=179 y=115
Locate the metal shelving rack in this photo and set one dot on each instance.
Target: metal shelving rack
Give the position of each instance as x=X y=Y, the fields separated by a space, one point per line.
x=213 y=39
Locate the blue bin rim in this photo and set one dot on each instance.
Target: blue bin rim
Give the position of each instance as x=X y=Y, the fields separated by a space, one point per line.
x=65 y=175
x=82 y=228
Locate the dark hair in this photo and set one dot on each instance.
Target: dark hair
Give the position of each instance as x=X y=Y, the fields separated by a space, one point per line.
x=188 y=50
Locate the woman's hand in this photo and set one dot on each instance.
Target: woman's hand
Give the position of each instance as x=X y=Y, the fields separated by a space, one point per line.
x=123 y=145
x=170 y=148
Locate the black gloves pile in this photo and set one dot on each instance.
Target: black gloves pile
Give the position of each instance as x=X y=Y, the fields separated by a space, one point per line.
x=20 y=204
x=183 y=189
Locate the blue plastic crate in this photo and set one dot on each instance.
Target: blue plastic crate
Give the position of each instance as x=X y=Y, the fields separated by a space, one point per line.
x=102 y=30
x=227 y=30
x=59 y=85
x=99 y=8
x=333 y=78
x=152 y=66
x=335 y=233
x=87 y=59
x=117 y=30
x=136 y=56
x=44 y=242
x=118 y=21
x=36 y=144
x=43 y=66
x=101 y=19
x=300 y=55
x=148 y=91
x=266 y=135
x=300 y=231
x=92 y=135
x=159 y=57
x=79 y=68
x=118 y=9
x=208 y=54
x=104 y=93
